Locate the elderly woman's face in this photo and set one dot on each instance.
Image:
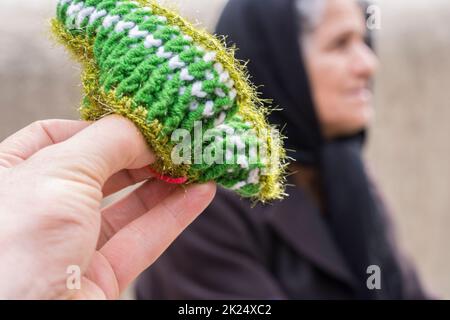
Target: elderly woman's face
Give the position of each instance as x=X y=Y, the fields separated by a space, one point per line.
x=340 y=66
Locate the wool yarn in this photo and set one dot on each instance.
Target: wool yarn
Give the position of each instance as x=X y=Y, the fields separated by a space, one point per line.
x=148 y=64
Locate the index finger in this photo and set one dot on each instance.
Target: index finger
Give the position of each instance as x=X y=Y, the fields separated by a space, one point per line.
x=136 y=246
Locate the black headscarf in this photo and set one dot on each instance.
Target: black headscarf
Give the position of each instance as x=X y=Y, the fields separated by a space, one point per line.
x=267 y=33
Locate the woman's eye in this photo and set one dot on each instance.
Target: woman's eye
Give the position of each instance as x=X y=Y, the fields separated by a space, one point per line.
x=341 y=43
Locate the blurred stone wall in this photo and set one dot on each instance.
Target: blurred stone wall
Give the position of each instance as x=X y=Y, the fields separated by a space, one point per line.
x=409 y=148
x=37 y=80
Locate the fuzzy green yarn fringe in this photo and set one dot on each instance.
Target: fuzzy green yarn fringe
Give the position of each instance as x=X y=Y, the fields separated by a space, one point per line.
x=146 y=63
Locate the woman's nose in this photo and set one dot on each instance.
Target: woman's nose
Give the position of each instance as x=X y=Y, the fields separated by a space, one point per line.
x=365 y=62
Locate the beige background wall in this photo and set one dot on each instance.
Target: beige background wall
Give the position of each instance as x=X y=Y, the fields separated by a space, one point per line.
x=409 y=148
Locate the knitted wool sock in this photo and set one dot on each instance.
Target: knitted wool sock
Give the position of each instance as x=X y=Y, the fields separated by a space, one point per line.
x=146 y=63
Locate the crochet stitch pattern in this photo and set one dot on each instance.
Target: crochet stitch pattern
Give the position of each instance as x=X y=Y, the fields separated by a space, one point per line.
x=146 y=63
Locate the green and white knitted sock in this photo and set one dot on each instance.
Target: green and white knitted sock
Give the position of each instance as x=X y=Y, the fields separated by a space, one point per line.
x=146 y=63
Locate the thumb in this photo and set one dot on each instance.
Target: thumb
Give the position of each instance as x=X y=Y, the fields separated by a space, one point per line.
x=100 y=150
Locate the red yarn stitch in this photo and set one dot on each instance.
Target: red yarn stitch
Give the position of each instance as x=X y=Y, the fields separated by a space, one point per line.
x=167 y=179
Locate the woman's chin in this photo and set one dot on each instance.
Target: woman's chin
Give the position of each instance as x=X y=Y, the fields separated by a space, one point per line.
x=362 y=119
x=362 y=112
x=352 y=119
x=359 y=120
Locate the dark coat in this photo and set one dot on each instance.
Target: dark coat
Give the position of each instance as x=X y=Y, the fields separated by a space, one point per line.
x=278 y=251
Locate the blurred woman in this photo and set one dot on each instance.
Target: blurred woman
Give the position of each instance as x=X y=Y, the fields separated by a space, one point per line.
x=331 y=238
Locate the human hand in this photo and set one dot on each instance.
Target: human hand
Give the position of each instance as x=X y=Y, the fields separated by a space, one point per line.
x=53 y=177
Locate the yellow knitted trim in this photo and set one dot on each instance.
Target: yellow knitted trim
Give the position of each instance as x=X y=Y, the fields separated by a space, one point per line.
x=251 y=107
